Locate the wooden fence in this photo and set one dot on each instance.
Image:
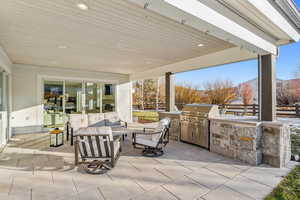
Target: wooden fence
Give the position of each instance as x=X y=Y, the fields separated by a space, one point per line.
x=252 y=109
x=238 y=109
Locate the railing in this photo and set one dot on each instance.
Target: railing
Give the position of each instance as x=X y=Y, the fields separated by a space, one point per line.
x=253 y=109
x=150 y=106
x=237 y=109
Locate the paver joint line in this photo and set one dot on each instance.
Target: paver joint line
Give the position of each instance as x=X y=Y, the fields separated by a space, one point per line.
x=171 y=193
x=255 y=180
x=134 y=166
x=197 y=182
x=163 y=174
x=217 y=173
x=101 y=193
x=75 y=185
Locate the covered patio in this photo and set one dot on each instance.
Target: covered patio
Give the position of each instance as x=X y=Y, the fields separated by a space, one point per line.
x=79 y=57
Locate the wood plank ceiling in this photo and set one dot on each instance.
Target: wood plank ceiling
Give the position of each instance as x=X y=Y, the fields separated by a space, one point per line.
x=111 y=36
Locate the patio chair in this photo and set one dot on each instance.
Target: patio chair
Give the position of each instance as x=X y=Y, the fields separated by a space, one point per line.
x=98 y=149
x=153 y=140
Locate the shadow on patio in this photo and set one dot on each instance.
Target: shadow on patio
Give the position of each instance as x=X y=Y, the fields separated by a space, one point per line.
x=184 y=172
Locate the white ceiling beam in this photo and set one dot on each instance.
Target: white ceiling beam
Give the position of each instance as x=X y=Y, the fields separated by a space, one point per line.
x=227 y=56
x=196 y=14
x=267 y=9
x=5 y=61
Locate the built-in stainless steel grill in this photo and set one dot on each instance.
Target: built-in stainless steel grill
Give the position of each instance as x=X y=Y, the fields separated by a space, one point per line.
x=195 y=123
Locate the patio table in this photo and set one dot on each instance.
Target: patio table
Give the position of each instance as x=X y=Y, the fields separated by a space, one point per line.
x=134 y=128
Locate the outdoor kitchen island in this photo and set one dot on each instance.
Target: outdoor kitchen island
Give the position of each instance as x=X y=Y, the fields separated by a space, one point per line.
x=247 y=139
x=243 y=138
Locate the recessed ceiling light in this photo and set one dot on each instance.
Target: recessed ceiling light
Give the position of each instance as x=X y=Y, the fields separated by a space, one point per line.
x=82 y=6
x=200 y=45
x=62 y=47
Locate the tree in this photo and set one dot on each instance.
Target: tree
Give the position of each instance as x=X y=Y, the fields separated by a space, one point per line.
x=137 y=95
x=247 y=94
x=147 y=93
x=186 y=93
x=220 y=92
x=289 y=93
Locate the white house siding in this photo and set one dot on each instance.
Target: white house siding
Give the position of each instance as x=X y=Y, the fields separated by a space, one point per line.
x=27 y=93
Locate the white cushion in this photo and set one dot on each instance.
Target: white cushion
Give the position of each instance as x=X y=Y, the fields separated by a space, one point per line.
x=96 y=119
x=146 y=142
x=78 y=121
x=104 y=130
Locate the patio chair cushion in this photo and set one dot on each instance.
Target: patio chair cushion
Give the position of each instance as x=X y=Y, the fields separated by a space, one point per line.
x=112 y=119
x=96 y=119
x=78 y=121
x=146 y=142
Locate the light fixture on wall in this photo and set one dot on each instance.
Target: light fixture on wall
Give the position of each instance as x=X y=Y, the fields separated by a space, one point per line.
x=82 y=6
x=200 y=45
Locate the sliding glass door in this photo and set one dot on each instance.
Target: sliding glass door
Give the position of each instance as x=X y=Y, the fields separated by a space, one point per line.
x=73 y=97
x=53 y=103
x=93 y=97
x=63 y=97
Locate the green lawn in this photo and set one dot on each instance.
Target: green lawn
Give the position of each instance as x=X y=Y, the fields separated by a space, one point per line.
x=289 y=187
x=146 y=116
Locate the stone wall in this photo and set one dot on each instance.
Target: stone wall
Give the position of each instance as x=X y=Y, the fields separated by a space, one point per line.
x=241 y=141
x=252 y=142
x=276 y=144
x=295 y=139
x=175 y=123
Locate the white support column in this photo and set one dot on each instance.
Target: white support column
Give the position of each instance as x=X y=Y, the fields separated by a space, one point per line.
x=170 y=92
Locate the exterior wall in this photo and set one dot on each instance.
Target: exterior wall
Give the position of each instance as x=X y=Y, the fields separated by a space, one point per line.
x=27 y=93
x=5 y=131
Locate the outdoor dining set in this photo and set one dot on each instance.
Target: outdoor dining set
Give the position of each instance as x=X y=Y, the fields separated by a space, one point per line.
x=98 y=139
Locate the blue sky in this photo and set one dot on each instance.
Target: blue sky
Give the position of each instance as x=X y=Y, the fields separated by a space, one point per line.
x=287 y=64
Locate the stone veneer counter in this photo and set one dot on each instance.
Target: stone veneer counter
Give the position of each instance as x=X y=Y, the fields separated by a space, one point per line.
x=175 y=123
x=250 y=140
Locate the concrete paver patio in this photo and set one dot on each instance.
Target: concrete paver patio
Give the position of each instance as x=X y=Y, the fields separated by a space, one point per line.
x=183 y=172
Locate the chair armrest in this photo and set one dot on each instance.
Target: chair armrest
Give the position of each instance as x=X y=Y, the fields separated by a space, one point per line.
x=146 y=132
x=148 y=128
x=117 y=138
x=125 y=123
